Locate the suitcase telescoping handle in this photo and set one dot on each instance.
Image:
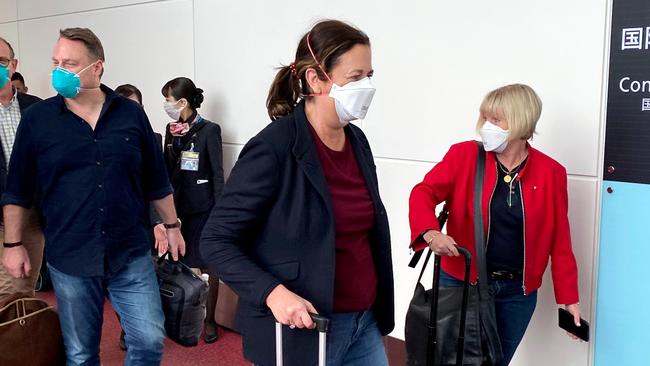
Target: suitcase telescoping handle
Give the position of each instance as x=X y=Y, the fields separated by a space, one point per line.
x=322 y=325
x=432 y=342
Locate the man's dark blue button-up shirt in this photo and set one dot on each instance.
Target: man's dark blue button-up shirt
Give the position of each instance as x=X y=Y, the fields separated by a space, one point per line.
x=93 y=186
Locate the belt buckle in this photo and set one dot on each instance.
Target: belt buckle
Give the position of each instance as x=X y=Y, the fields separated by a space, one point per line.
x=502 y=275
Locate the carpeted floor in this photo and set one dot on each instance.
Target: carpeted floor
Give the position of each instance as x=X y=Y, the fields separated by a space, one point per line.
x=227 y=351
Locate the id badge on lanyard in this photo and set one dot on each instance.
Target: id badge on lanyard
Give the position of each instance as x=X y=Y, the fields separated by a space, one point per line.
x=190 y=160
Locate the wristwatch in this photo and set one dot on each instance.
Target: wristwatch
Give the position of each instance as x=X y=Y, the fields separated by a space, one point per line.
x=175 y=225
x=12 y=245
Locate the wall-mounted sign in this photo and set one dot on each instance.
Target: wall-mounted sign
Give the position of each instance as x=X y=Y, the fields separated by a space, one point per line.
x=627 y=144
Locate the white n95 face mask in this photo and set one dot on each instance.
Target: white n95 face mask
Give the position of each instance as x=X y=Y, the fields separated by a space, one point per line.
x=352 y=100
x=494 y=137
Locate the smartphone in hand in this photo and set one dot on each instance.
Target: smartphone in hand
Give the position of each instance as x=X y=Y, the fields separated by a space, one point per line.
x=565 y=321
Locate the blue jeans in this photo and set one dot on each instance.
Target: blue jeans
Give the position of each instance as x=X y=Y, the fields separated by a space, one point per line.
x=354 y=340
x=513 y=311
x=134 y=294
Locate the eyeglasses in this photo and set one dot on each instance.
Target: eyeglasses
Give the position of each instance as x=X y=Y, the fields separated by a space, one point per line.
x=5 y=61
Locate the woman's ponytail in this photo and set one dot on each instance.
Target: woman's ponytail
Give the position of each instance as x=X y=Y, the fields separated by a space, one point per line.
x=198 y=99
x=283 y=94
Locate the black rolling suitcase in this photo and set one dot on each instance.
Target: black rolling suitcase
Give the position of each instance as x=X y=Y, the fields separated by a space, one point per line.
x=322 y=325
x=423 y=315
x=183 y=295
x=432 y=353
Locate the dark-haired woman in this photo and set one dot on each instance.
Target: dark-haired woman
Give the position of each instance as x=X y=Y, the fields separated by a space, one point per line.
x=131 y=92
x=300 y=226
x=195 y=166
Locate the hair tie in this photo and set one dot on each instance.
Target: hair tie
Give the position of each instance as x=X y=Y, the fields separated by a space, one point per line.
x=292 y=67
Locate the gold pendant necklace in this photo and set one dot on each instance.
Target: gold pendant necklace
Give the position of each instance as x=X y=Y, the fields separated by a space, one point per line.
x=508 y=177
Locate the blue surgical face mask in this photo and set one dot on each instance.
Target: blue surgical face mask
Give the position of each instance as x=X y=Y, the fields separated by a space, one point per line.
x=66 y=82
x=4 y=75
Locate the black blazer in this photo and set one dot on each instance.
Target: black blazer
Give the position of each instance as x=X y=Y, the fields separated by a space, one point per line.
x=196 y=191
x=274 y=224
x=24 y=102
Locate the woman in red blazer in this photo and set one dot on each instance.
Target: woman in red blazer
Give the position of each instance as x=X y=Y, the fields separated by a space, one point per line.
x=524 y=208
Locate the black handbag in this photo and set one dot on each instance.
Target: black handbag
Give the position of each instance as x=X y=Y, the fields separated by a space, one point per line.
x=463 y=330
x=183 y=295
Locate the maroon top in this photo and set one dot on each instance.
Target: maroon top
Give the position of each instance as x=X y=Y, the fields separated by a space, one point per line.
x=355 y=279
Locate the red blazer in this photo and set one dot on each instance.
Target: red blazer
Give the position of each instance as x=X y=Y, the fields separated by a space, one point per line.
x=546 y=225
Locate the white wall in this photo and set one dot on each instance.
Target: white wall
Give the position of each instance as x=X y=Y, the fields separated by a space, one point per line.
x=8 y=24
x=145 y=44
x=434 y=61
x=9 y=11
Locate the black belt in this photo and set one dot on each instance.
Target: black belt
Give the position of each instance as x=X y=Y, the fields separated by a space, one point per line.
x=505 y=275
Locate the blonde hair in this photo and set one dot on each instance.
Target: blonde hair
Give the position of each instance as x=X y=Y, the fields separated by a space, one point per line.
x=519 y=105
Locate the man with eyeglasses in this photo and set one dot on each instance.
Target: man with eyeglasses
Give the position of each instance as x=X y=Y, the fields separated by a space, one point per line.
x=12 y=106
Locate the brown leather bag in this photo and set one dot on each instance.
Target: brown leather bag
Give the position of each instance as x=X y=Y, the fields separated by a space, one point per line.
x=30 y=333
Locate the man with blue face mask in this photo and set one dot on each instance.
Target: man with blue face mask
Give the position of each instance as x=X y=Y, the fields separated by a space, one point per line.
x=12 y=106
x=92 y=157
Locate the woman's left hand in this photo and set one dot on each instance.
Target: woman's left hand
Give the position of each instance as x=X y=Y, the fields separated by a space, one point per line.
x=574 y=309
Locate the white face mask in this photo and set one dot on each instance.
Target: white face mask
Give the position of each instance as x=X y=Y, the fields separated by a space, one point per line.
x=352 y=100
x=494 y=137
x=171 y=110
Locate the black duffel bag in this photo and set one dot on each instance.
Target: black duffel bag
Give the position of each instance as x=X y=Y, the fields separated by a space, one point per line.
x=183 y=295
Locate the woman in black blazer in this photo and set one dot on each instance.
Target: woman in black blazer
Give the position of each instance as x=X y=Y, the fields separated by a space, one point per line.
x=195 y=165
x=300 y=226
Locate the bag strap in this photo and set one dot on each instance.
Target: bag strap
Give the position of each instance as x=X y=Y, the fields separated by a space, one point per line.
x=489 y=333
x=178 y=263
x=416 y=258
x=479 y=237
x=166 y=255
x=21 y=310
